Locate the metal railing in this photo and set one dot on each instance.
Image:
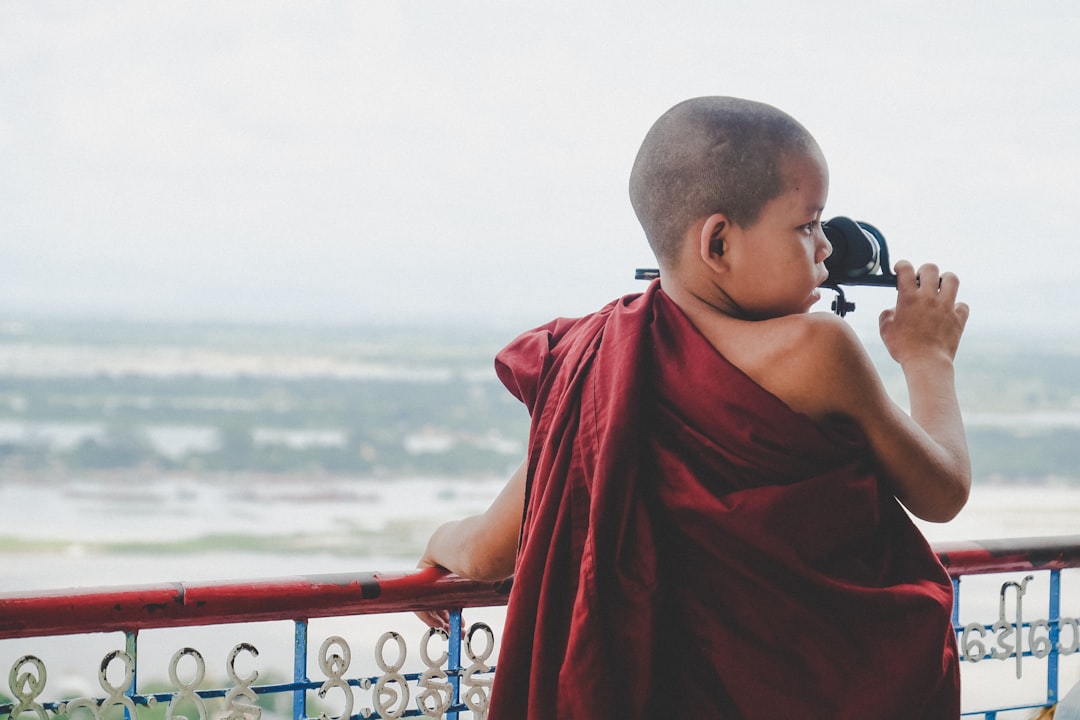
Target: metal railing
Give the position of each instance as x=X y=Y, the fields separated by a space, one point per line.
x=445 y=688
x=454 y=678
x=1012 y=638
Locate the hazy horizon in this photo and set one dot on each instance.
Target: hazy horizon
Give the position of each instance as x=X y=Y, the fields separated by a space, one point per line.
x=340 y=163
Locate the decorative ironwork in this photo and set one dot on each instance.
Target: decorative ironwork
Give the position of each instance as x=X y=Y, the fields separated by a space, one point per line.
x=241 y=702
x=1008 y=634
x=27 y=686
x=186 y=689
x=1074 y=642
x=114 y=693
x=479 y=689
x=334 y=666
x=436 y=692
x=390 y=691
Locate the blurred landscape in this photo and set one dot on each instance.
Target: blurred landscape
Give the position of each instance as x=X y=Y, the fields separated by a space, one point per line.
x=134 y=452
x=94 y=399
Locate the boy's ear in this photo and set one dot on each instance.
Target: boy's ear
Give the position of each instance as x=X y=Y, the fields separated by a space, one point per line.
x=712 y=243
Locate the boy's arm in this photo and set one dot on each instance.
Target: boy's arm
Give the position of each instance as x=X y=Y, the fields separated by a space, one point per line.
x=925 y=454
x=479 y=547
x=484 y=546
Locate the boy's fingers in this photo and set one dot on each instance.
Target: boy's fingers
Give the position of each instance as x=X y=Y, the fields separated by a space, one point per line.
x=905 y=273
x=928 y=276
x=886 y=317
x=435 y=618
x=950 y=285
x=964 y=312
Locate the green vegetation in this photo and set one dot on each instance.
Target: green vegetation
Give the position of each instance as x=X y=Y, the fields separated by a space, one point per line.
x=389 y=401
x=1019 y=378
x=1025 y=456
x=373 y=418
x=365 y=395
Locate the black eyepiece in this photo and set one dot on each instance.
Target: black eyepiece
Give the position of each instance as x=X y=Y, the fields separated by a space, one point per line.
x=857 y=249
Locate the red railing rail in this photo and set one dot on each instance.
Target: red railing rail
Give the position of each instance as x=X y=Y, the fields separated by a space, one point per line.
x=87 y=610
x=1013 y=637
x=985 y=557
x=183 y=604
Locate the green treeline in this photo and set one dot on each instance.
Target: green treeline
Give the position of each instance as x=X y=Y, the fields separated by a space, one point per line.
x=1025 y=456
x=399 y=401
x=370 y=424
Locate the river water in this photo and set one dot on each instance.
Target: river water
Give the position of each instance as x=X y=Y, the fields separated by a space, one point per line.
x=130 y=530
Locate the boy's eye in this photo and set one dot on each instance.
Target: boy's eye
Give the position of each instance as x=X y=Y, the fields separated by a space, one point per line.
x=809 y=227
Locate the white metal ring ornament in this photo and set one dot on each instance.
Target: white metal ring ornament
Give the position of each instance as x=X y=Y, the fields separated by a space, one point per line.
x=478 y=695
x=334 y=666
x=115 y=693
x=241 y=702
x=26 y=686
x=434 y=692
x=391 y=692
x=1073 y=624
x=186 y=690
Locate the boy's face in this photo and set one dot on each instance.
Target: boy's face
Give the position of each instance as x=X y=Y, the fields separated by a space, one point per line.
x=778 y=262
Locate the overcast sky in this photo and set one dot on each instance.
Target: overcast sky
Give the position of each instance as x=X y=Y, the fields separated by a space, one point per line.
x=399 y=162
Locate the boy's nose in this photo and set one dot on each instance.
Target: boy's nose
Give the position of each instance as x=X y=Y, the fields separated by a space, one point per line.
x=824 y=247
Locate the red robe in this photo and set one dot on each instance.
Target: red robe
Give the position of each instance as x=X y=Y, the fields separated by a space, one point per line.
x=693 y=547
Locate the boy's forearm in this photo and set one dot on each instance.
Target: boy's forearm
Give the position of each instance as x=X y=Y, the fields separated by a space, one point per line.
x=465 y=547
x=448 y=547
x=936 y=409
x=482 y=547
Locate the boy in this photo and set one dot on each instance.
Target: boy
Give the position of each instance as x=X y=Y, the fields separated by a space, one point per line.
x=708 y=522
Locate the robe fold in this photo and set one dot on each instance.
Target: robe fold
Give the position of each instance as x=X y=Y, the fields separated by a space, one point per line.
x=693 y=547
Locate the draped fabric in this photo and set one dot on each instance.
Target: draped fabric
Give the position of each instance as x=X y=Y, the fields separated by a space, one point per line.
x=691 y=546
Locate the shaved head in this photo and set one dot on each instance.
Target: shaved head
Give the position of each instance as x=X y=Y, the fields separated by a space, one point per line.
x=711 y=155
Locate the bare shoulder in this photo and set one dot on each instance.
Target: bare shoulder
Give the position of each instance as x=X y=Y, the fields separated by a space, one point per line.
x=805 y=340
x=847 y=383
x=815 y=363
x=828 y=335
x=814 y=328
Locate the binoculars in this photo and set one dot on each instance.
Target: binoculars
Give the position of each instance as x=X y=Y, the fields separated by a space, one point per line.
x=859 y=256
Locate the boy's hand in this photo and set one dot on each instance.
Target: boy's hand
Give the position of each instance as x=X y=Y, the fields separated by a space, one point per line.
x=927 y=322
x=439 y=619
x=433 y=618
x=479 y=547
